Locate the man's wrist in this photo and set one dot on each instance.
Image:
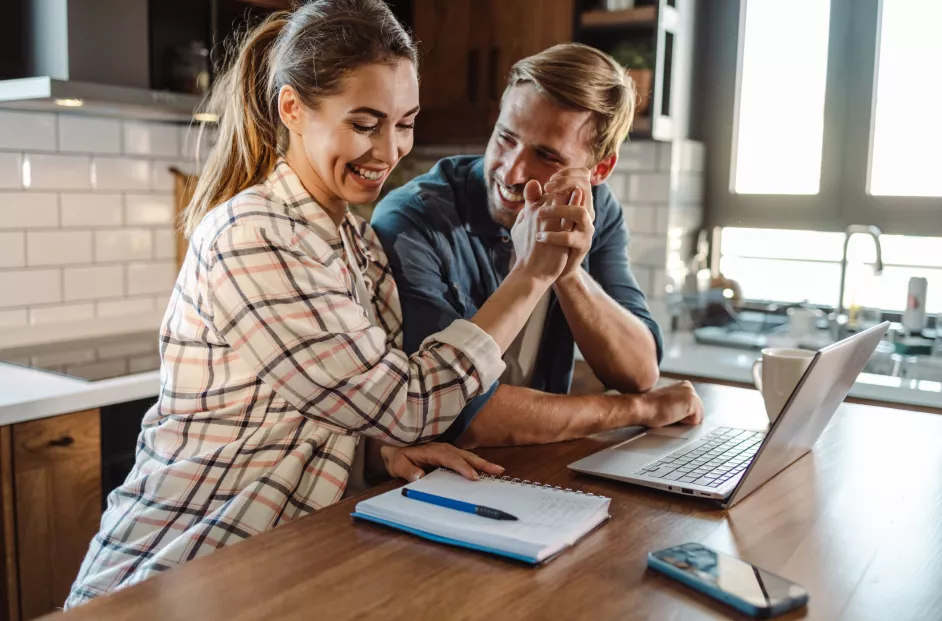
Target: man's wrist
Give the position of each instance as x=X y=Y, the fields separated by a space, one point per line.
x=571 y=283
x=632 y=409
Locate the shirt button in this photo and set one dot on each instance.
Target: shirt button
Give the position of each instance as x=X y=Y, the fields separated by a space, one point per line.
x=505 y=238
x=368 y=284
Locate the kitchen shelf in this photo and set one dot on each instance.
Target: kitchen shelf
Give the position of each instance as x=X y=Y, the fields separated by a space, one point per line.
x=637 y=17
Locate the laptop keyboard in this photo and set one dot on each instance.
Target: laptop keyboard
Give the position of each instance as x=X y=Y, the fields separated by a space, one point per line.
x=718 y=457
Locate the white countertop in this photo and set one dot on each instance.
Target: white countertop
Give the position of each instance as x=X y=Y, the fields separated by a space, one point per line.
x=27 y=394
x=683 y=356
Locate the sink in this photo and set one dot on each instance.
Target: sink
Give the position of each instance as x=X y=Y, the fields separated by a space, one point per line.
x=885 y=361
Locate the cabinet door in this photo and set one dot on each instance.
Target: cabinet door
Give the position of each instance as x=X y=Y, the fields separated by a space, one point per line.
x=452 y=38
x=57 y=482
x=521 y=28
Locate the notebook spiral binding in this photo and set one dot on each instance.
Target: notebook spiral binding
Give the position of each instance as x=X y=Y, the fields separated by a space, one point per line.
x=516 y=481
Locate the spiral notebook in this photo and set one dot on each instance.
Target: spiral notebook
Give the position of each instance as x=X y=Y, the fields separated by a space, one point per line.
x=550 y=519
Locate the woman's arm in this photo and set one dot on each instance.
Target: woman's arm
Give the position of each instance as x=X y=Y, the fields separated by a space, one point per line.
x=291 y=319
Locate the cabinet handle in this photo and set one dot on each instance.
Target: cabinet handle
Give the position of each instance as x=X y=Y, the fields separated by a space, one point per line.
x=63 y=441
x=473 y=60
x=492 y=61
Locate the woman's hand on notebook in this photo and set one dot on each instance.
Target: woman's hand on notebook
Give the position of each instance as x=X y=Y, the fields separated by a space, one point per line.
x=677 y=403
x=408 y=462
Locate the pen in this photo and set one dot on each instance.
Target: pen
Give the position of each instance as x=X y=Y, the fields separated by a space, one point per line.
x=457 y=505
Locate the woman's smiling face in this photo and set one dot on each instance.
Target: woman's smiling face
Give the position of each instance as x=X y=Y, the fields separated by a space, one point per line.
x=344 y=149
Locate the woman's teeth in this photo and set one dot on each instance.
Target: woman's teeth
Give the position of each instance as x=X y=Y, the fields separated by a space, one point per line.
x=508 y=195
x=372 y=175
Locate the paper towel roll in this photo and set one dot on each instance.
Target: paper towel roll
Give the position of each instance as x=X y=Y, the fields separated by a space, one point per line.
x=914 y=317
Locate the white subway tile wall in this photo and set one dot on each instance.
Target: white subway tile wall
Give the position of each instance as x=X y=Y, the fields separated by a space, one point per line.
x=87 y=134
x=129 y=306
x=12 y=250
x=44 y=248
x=29 y=210
x=23 y=288
x=123 y=245
x=92 y=283
x=87 y=216
x=660 y=187
x=11 y=171
x=27 y=131
x=13 y=318
x=43 y=315
x=148 y=209
x=47 y=171
x=92 y=209
x=113 y=173
x=146 y=278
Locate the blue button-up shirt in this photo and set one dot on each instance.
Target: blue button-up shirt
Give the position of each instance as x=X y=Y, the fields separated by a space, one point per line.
x=448 y=256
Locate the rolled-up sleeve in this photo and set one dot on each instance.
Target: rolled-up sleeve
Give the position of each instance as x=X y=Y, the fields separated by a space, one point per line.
x=609 y=264
x=290 y=318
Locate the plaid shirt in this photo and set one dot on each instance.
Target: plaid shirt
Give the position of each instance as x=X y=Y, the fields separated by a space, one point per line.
x=271 y=371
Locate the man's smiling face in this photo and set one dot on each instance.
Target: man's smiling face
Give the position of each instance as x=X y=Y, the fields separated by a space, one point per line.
x=533 y=139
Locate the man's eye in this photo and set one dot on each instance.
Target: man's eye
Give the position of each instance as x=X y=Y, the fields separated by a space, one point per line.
x=506 y=138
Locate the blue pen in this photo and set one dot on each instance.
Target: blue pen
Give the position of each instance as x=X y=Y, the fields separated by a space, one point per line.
x=457 y=505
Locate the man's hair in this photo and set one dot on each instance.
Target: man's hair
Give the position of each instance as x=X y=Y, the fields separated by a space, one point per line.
x=580 y=77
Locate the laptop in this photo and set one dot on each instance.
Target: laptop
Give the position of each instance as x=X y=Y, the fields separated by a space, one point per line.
x=726 y=463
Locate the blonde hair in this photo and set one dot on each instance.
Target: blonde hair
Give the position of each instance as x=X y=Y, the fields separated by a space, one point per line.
x=311 y=49
x=580 y=77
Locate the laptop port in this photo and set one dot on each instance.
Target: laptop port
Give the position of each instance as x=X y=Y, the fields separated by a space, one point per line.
x=686 y=490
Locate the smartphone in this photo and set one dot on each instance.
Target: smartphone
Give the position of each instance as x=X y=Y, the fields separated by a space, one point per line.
x=745 y=587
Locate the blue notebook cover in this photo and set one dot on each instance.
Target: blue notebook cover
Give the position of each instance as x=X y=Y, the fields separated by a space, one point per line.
x=447 y=540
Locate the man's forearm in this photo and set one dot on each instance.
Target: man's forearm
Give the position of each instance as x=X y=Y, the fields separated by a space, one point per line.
x=514 y=416
x=617 y=345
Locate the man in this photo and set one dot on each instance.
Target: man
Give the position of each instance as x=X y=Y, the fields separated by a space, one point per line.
x=563 y=116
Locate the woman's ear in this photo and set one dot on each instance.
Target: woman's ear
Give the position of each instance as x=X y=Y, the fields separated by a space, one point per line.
x=289 y=109
x=601 y=171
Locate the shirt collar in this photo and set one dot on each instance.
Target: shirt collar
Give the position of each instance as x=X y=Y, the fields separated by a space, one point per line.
x=287 y=186
x=477 y=218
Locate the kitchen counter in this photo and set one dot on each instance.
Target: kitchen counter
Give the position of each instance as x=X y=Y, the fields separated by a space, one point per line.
x=28 y=394
x=685 y=358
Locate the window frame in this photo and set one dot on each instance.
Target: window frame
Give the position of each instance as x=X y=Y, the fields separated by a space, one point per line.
x=848 y=113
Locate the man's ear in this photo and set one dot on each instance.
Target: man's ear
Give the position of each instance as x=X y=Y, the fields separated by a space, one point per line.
x=601 y=171
x=289 y=108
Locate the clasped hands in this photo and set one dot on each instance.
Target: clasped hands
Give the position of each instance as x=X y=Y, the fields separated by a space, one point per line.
x=553 y=232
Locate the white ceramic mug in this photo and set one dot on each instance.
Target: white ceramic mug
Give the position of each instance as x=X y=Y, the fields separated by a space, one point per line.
x=777 y=373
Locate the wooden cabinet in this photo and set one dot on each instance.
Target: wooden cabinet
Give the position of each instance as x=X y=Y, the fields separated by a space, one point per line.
x=467 y=49
x=50 y=506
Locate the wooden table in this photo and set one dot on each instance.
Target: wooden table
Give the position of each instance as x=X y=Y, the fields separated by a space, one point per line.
x=858 y=521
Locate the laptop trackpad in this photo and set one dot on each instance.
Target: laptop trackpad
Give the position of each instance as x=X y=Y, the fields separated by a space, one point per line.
x=653 y=444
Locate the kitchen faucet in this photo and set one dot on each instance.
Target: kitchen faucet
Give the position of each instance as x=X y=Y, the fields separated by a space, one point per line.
x=852 y=230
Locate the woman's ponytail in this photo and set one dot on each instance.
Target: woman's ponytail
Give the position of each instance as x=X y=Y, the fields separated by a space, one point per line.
x=244 y=98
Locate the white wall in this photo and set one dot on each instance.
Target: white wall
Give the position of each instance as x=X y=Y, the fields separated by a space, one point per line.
x=86 y=217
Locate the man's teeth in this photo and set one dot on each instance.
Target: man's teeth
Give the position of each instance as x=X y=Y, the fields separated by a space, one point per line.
x=508 y=195
x=372 y=175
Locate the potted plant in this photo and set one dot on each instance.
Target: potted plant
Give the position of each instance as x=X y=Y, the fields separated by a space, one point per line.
x=638 y=63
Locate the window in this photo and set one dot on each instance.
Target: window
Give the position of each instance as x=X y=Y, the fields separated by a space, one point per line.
x=794 y=266
x=780 y=122
x=907 y=125
x=819 y=114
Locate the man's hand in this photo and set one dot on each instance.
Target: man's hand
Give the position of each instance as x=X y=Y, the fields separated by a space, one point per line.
x=542 y=261
x=677 y=403
x=407 y=462
x=575 y=218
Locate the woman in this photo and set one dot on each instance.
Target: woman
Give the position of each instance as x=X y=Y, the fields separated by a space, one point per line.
x=280 y=343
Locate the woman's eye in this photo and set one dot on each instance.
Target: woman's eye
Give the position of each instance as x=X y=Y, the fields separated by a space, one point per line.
x=365 y=129
x=406 y=126
x=506 y=138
